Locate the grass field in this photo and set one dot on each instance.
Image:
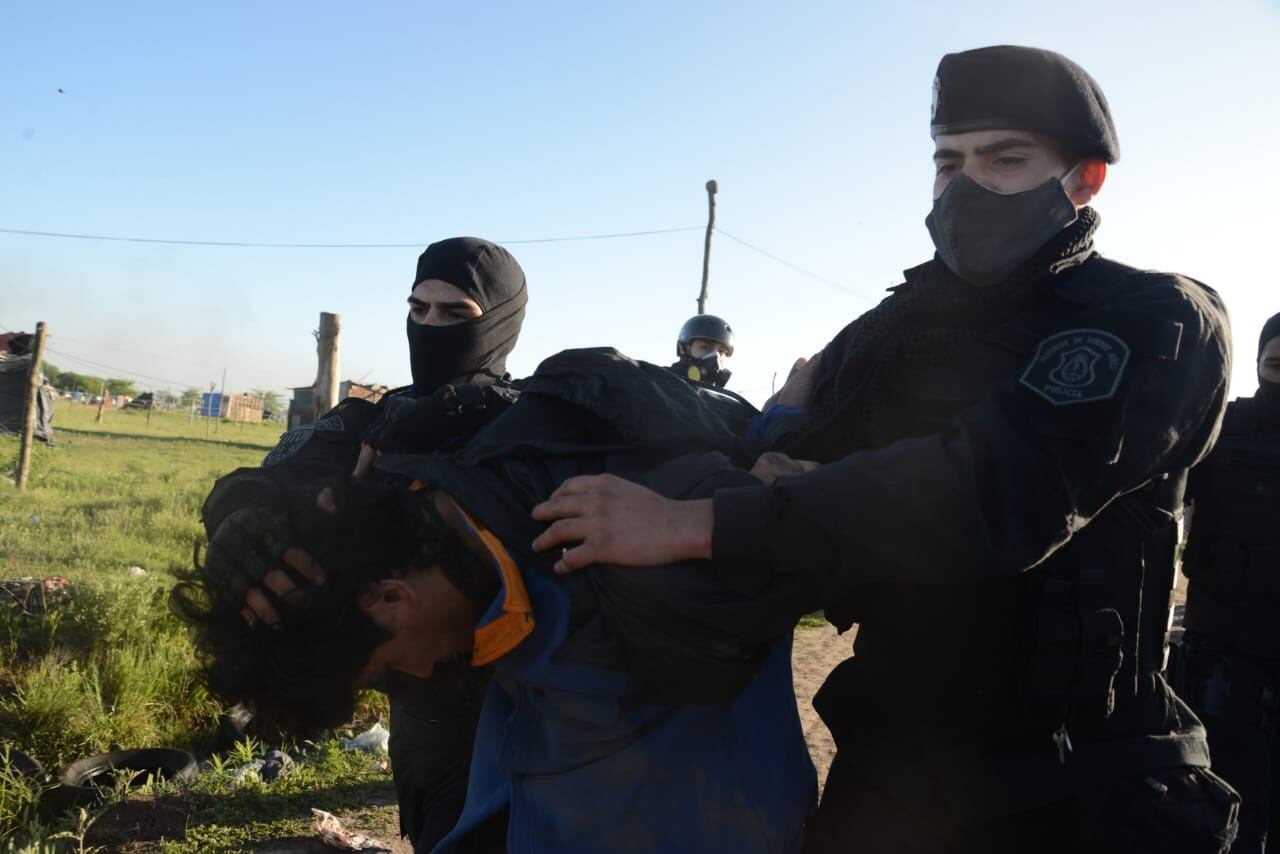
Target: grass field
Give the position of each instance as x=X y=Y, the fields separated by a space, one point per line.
x=114 y=508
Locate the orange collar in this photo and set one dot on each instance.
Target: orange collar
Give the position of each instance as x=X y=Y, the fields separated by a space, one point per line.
x=504 y=632
x=514 y=623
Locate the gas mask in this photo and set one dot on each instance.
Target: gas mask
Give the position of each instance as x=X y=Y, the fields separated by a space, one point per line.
x=706 y=369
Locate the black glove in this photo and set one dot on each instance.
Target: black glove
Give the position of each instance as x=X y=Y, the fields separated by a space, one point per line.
x=443 y=421
x=247 y=544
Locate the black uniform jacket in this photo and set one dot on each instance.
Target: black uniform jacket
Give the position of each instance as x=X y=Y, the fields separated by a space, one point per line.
x=1002 y=450
x=1232 y=560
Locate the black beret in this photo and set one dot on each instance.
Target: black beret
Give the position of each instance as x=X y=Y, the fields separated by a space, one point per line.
x=1024 y=88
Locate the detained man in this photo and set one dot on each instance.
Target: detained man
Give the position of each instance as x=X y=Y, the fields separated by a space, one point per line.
x=627 y=712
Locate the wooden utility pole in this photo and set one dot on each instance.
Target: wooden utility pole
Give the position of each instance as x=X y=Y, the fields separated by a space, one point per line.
x=712 y=189
x=102 y=401
x=33 y=402
x=151 y=404
x=326 y=386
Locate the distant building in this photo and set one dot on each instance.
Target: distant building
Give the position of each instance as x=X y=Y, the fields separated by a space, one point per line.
x=302 y=408
x=233 y=407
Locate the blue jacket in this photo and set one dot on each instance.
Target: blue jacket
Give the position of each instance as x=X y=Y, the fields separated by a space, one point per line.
x=630 y=710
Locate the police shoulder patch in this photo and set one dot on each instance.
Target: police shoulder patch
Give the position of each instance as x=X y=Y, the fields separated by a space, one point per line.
x=1077 y=366
x=292 y=441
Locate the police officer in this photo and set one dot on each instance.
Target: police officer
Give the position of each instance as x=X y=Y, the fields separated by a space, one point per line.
x=466 y=309
x=1229 y=666
x=704 y=343
x=994 y=457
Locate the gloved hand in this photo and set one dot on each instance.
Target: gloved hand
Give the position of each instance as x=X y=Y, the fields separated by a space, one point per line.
x=247 y=544
x=255 y=549
x=449 y=416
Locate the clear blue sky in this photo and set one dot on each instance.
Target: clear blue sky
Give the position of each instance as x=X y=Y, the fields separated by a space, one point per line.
x=408 y=122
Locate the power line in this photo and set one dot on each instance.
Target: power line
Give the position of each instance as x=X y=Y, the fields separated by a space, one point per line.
x=251 y=245
x=602 y=236
x=143 y=353
x=238 y=244
x=801 y=270
x=120 y=371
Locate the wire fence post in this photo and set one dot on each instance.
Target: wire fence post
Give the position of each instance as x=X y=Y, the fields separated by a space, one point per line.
x=33 y=403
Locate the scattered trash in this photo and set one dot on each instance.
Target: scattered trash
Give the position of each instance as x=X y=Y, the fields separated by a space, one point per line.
x=34 y=519
x=333 y=834
x=267 y=769
x=137 y=571
x=242 y=773
x=372 y=740
x=35 y=595
x=232 y=725
x=275 y=763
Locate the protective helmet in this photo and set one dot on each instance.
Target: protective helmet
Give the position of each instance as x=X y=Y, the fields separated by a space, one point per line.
x=706 y=326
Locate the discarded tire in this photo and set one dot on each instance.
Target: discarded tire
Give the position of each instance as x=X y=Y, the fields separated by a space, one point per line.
x=82 y=782
x=26 y=765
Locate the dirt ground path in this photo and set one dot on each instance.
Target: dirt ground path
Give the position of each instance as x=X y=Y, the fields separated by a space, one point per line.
x=816 y=650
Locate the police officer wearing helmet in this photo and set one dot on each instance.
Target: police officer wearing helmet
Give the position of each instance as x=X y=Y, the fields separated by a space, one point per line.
x=994 y=460
x=1228 y=668
x=705 y=342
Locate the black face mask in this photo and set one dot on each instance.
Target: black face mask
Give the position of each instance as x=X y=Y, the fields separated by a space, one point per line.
x=475 y=350
x=1268 y=397
x=1268 y=394
x=472 y=351
x=983 y=236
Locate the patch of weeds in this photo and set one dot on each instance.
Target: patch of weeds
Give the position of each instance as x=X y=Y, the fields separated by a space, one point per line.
x=55 y=712
x=19 y=797
x=223 y=819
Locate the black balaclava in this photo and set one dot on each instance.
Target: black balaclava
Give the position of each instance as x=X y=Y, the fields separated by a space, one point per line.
x=475 y=350
x=1268 y=393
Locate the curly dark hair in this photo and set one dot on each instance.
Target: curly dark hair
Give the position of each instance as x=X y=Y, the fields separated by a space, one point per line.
x=300 y=674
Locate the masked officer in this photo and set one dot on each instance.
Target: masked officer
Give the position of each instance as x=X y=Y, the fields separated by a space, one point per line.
x=993 y=460
x=466 y=309
x=704 y=343
x=1229 y=666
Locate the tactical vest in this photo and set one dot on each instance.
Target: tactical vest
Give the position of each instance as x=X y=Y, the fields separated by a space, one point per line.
x=1233 y=546
x=1066 y=650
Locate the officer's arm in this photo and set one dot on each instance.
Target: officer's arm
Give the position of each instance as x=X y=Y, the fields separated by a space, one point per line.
x=1011 y=478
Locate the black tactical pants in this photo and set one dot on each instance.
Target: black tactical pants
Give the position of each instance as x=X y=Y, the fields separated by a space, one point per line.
x=433 y=728
x=1238 y=699
x=1175 y=811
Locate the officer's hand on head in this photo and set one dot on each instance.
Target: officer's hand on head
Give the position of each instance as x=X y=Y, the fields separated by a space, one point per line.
x=254 y=548
x=798 y=389
x=612 y=520
x=773 y=465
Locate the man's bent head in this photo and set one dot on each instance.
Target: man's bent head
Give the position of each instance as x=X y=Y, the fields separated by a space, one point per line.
x=402 y=592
